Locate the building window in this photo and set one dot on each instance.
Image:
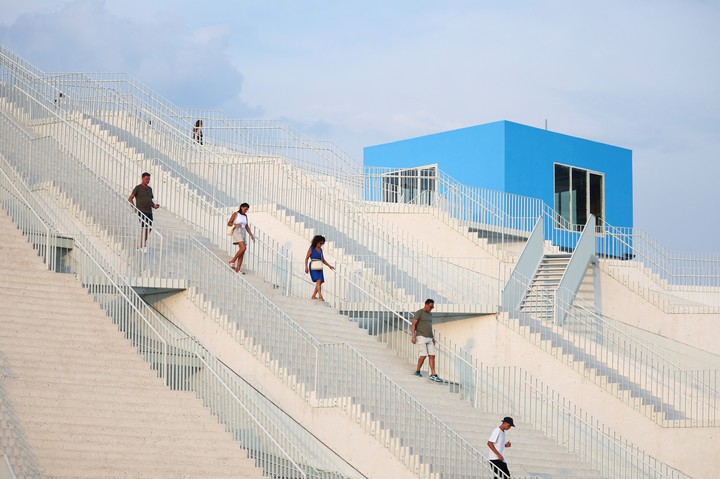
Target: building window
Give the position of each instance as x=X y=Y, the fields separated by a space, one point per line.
x=578 y=194
x=412 y=186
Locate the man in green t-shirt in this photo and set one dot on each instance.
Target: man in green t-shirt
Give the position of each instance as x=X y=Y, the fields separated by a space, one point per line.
x=143 y=196
x=422 y=337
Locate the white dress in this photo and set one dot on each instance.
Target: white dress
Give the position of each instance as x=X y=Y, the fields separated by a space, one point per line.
x=240 y=233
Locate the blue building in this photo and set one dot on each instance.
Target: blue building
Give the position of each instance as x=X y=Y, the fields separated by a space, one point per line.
x=574 y=176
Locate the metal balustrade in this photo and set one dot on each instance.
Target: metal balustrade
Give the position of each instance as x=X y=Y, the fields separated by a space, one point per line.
x=673 y=271
x=121 y=173
x=501 y=217
x=261 y=342
x=665 y=392
x=512 y=213
x=322 y=199
x=497 y=218
x=180 y=360
x=512 y=390
x=336 y=374
x=290 y=342
x=439 y=265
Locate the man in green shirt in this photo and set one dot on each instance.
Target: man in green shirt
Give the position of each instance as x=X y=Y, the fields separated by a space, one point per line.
x=143 y=196
x=422 y=337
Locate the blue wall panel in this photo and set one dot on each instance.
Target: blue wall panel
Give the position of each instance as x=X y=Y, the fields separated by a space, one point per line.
x=515 y=158
x=474 y=156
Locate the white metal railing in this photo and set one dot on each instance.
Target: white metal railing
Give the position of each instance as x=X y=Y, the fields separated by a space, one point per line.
x=498 y=216
x=43 y=239
x=167 y=356
x=222 y=387
x=636 y=374
x=682 y=271
x=6 y=470
x=108 y=161
x=170 y=362
x=525 y=268
x=226 y=269
x=572 y=278
x=526 y=396
x=320 y=206
x=384 y=278
x=219 y=132
x=493 y=389
x=333 y=374
x=320 y=198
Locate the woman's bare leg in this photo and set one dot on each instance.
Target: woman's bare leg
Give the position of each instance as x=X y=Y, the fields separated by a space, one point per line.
x=239 y=256
x=318 y=287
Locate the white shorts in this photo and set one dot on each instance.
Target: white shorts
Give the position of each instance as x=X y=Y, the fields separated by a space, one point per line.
x=239 y=235
x=425 y=346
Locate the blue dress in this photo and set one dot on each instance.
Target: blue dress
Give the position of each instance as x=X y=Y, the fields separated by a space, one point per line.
x=316 y=274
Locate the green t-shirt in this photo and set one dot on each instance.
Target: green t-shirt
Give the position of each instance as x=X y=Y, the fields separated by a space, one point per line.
x=143 y=198
x=424 y=324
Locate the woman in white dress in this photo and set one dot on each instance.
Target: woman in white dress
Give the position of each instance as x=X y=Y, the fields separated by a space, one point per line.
x=239 y=219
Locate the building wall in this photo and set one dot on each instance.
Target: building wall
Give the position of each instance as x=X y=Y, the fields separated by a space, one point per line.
x=530 y=155
x=515 y=158
x=476 y=149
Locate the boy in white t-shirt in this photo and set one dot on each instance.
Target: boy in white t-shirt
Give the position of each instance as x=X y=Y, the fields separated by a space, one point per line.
x=497 y=445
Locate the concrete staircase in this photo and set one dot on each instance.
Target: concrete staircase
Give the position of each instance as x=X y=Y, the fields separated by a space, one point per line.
x=528 y=455
x=88 y=405
x=539 y=299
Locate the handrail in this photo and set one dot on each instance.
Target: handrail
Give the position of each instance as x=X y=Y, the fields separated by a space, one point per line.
x=632 y=364
x=257 y=422
x=134 y=307
x=525 y=267
x=273 y=252
x=451 y=359
x=571 y=280
x=50 y=252
x=325 y=199
x=6 y=467
x=679 y=270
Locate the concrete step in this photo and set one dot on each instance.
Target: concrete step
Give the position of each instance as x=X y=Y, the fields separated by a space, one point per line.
x=62 y=307
x=49 y=289
x=35 y=279
x=28 y=364
x=37 y=340
x=156 y=464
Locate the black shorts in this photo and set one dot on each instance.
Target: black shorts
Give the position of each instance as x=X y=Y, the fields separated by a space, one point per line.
x=146 y=219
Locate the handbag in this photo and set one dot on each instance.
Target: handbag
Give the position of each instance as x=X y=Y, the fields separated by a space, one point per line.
x=316 y=264
x=231 y=228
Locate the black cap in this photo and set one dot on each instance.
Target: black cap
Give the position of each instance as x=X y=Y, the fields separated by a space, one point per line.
x=509 y=420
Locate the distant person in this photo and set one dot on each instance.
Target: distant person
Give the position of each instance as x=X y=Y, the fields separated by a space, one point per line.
x=497 y=445
x=239 y=220
x=59 y=99
x=422 y=337
x=314 y=261
x=197 y=133
x=143 y=196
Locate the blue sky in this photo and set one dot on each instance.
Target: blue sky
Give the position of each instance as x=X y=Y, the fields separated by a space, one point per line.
x=643 y=75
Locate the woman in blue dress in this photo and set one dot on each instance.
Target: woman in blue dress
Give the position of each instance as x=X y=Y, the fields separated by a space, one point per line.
x=314 y=262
